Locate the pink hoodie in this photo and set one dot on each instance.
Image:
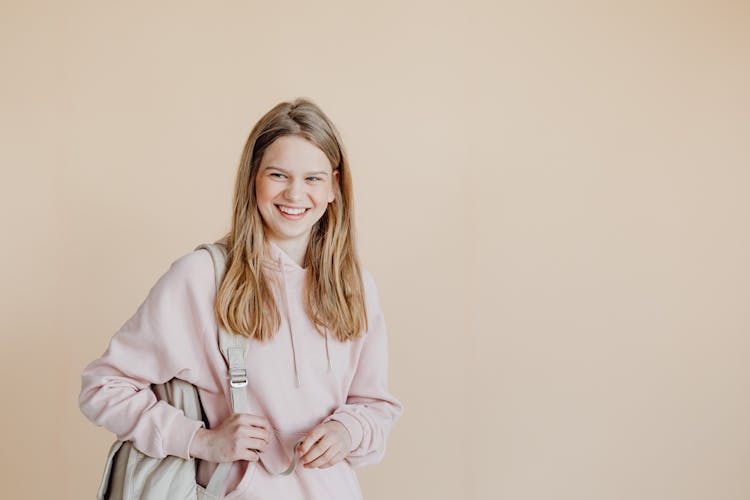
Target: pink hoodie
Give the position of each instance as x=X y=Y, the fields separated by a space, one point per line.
x=296 y=380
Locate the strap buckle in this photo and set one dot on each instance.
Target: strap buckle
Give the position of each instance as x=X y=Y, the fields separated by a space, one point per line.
x=238 y=377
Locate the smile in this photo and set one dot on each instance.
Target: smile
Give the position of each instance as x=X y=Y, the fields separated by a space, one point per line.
x=291 y=212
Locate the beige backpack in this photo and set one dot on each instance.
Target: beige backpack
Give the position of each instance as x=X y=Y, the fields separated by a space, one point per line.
x=130 y=474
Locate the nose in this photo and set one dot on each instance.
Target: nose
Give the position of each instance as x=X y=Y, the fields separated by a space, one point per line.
x=293 y=191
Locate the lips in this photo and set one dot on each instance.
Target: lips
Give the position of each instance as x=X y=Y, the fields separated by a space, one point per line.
x=292 y=216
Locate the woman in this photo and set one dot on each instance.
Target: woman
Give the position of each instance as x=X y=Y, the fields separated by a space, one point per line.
x=317 y=364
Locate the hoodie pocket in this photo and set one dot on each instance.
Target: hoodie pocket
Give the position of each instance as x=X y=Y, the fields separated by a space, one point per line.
x=248 y=471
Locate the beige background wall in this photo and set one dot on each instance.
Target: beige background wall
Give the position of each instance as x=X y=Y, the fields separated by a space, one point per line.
x=552 y=197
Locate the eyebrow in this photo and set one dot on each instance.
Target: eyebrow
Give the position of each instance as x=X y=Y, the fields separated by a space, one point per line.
x=321 y=172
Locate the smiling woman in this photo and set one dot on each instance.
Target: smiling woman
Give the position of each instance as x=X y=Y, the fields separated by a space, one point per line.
x=317 y=362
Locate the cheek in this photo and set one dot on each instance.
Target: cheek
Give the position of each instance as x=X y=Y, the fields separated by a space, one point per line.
x=321 y=196
x=264 y=192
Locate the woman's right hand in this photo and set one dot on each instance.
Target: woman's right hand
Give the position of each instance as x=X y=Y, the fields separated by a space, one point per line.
x=240 y=437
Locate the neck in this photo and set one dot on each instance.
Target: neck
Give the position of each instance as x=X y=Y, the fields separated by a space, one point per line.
x=294 y=249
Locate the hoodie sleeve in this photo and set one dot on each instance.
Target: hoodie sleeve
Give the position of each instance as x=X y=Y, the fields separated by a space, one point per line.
x=370 y=410
x=162 y=340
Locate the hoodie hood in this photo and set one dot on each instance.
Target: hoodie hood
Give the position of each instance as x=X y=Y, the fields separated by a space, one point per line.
x=279 y=262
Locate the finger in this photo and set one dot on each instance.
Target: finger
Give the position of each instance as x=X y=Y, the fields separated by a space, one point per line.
x=250 y=456
x=317 y=433
x=243 y=428
x=258 y=433
x=254 y=444
x=312 y=454
x=317 y=450
x=323 y=459
x=338 y=457
x=254 y=420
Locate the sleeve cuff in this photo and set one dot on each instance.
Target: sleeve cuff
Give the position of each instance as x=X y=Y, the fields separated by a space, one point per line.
x=352 y=425
x=181 y=434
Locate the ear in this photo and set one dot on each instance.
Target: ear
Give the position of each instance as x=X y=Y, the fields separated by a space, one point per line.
x=332 y=196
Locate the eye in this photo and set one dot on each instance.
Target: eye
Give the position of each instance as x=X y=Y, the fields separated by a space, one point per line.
x=276 y=173
x=314 y=178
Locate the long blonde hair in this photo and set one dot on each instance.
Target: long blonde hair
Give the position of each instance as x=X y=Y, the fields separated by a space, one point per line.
x=335 y=293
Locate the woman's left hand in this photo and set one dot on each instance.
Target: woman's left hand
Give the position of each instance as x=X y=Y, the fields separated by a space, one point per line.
x=326 y=445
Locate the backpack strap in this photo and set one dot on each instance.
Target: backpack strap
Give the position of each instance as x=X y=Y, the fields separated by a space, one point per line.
x=234 y=349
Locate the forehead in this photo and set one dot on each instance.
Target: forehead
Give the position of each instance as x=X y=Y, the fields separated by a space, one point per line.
x=296 y=154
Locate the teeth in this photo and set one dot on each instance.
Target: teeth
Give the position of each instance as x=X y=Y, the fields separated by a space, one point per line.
x=291 y=211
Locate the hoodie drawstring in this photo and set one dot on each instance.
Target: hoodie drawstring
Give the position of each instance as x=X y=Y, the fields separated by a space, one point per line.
x=289 y=321
x=328 y=355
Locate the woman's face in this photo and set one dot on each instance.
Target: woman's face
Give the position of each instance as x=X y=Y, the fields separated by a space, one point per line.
x=293 y=187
